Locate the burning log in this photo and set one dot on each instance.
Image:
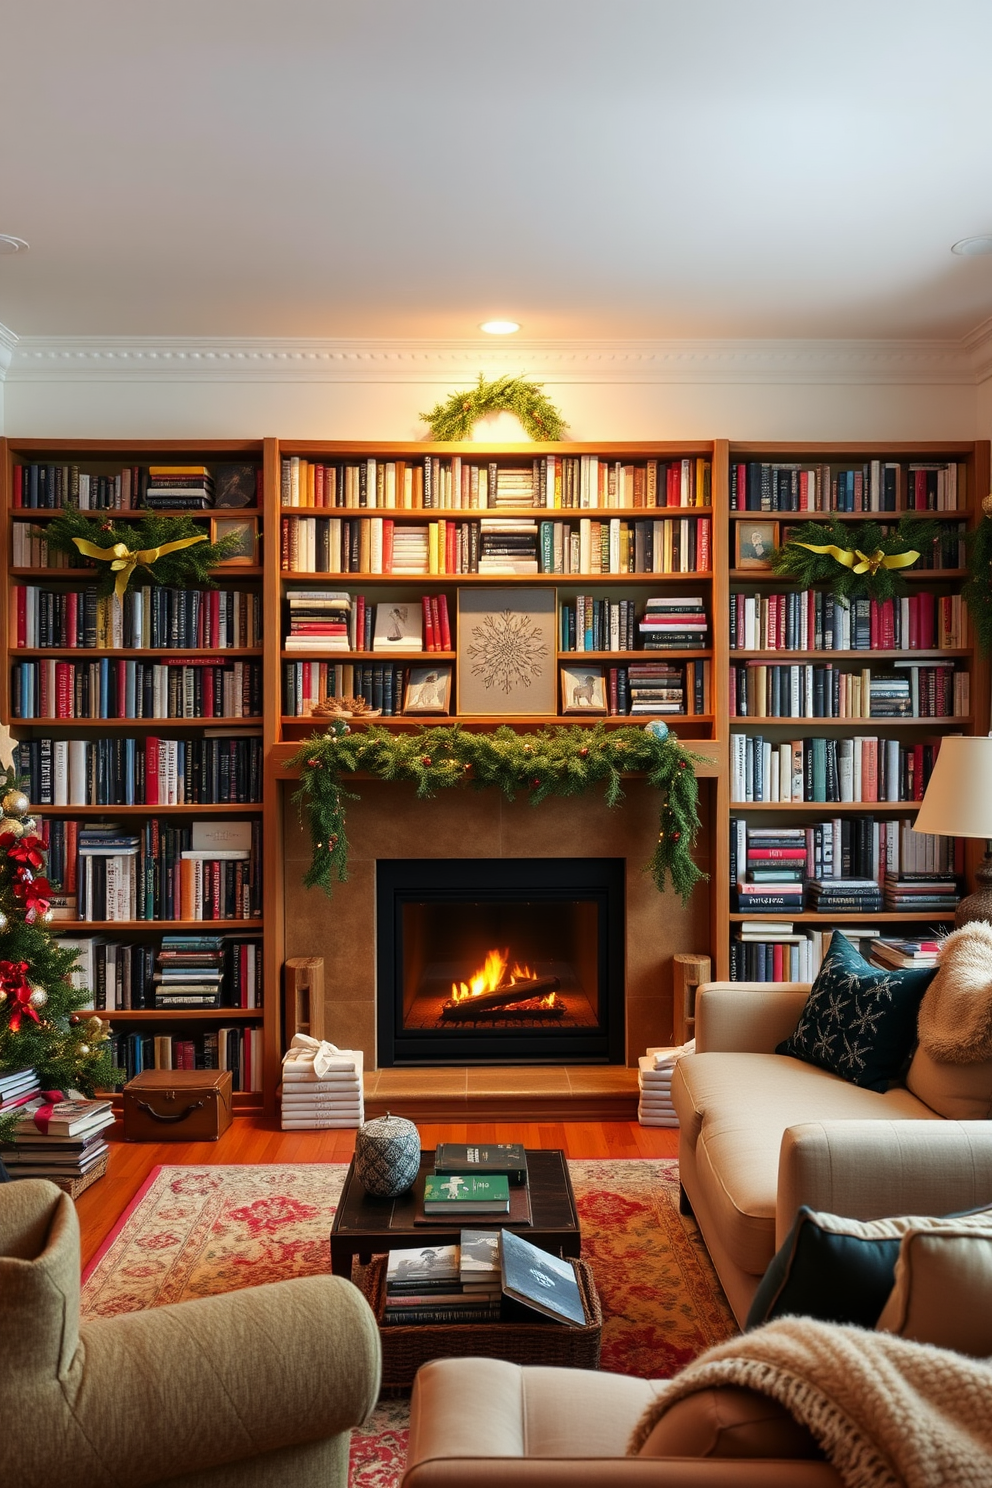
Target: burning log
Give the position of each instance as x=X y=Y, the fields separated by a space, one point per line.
x=523 y=991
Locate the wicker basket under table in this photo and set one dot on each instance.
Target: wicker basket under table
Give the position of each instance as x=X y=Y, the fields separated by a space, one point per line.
x=405 y=1348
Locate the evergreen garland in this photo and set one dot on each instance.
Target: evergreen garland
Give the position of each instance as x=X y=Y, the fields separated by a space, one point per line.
x=187 y=569
x=454 y=418
x=43 y=1031
x=560 y=761
x=977 y=590
x=792 y=561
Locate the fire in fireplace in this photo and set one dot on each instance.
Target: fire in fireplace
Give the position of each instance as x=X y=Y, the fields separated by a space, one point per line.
x=495 y=961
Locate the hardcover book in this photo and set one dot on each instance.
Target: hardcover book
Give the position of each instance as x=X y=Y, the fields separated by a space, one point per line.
x=498 y=1157
x=544 y=1282
x=466 y=1193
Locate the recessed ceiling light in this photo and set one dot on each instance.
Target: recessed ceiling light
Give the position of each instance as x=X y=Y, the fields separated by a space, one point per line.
x=500 y=327
x=973 y=247
x=12 y=245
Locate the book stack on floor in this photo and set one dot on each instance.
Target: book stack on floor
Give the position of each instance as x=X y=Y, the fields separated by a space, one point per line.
x=17 y=1088
x=445 y=1283
x=61 y=1142
x=321 y=1086
x=898 y=954
x=923 y=892
x=654 y=1082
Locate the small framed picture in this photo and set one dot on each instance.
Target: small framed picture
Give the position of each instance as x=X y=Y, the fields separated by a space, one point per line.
x=399 y=626
x=245 y=529
x=756 y=541
x=428 y=690
x=583 y=689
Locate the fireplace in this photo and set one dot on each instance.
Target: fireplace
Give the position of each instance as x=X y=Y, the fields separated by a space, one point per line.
x=497 y=961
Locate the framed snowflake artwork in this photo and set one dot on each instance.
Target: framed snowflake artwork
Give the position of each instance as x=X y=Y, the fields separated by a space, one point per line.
x=507 y=652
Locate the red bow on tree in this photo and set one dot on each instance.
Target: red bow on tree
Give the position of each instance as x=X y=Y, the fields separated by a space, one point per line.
x=14 y=981
x=35 y=893
x=27 y=850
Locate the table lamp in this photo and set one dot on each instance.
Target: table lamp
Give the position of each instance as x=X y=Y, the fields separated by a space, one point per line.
x=958 y=803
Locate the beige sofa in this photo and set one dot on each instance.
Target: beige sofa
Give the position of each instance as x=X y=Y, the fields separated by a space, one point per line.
x=257 y=1387
x=762 y=1133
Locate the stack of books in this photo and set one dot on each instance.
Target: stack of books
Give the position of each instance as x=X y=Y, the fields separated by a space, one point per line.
x=674 y=623
x=654 y=1081
x=179 y=488
x=833 y=895
x=778 y=893
x=65 y=1146
x=513 y=486
x=321 y=1086
x=507 y=545
x=190 y=971
x=319 y=620
x=904 y=953
x=445 y=1283
x=107 y=873
x=411 y=548
x=470 y=1179
x=17 y=1088
x=921 y=891
x=890 y=696
x=656 y=687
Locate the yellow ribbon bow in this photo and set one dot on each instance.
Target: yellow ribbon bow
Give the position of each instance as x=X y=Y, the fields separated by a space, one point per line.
x=859 y=562
x=125 y=562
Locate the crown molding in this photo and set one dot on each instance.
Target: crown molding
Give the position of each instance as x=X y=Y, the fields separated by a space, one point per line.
x=239 y=359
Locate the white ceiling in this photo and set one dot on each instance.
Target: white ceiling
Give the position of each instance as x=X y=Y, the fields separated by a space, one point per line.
x=385 y=168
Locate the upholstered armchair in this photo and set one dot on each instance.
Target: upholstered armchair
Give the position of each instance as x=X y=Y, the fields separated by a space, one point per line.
x=257 y=1387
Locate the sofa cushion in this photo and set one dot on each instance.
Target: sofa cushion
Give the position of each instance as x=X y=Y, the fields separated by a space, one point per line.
x=943 y=1287
x=859 y=1021
x=737 y=1106
x=961 y=1092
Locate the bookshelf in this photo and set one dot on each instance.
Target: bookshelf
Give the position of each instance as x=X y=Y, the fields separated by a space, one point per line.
x=832 y=712
x=141 y=730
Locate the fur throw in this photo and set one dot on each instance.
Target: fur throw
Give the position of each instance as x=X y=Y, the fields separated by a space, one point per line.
x=955 y=1021
x=888 y=1413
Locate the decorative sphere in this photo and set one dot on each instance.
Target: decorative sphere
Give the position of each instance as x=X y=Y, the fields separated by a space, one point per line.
x=38 y=997
x=12 y=825
x=3 y=997
x=16 y=802
x=3 y=920
x=987 y=504
x=387 y=1156
x=84 y=1048
x=656 y=728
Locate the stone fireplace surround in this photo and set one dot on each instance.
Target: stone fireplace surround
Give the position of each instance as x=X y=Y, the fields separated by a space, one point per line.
x=389 y=822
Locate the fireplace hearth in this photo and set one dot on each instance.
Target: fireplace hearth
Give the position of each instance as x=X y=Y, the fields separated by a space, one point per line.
x=496 y=961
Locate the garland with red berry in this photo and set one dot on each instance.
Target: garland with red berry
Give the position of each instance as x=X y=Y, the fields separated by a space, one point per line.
x=561 y=761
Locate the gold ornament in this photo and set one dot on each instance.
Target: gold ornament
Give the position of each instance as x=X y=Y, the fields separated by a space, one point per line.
x=12 y=825
x=38 y=997
x=3 y=920
x=3 y=997
x=987 y=504
x=84 y=1048
x=16 y=802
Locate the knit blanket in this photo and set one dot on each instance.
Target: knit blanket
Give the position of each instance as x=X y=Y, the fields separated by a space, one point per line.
x=887 y=1413
x=955 y=1020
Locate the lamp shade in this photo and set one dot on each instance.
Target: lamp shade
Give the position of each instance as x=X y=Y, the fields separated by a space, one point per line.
x=958 y=798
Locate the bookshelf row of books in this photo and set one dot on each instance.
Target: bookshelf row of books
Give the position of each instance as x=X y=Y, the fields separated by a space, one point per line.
x=46 y=486
x=237 y=1049
x=862 y=767
x=214 y=770
x=159 y=872
x=677 y=623
x=812 y=620
x=867 y=486
x=788 y=952
x=911 y=689
x=148 y=617
x=459 y=484
x=115 y=687
x=338 y=620
x=510 y=545
x=181 y=971
x=838 y=848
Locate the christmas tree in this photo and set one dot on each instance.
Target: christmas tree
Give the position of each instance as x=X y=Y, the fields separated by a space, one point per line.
x=41 y=1026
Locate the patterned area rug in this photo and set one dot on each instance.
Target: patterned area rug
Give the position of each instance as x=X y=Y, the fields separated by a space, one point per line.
x=197 y=1231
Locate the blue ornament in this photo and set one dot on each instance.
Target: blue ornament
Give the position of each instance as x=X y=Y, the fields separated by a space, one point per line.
x=656 y=729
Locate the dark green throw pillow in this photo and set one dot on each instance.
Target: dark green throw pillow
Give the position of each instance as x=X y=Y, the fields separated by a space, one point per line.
x=859 y=1021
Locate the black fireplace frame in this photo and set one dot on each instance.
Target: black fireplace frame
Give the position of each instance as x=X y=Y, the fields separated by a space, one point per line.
x=402 y=880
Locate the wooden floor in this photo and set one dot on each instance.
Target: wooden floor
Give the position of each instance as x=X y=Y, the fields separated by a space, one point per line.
x=256 y=1140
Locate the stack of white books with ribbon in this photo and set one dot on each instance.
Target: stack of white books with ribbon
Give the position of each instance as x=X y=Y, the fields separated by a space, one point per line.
x=321 y=1086
x=654 y=1081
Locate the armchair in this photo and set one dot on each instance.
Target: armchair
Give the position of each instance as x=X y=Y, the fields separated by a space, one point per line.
x=253 y=1389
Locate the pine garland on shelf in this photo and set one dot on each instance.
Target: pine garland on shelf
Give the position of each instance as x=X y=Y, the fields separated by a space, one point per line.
x=977 y=590
x=855 y=559
x=455 y=417
x=560 y=761
x=126 y=546
x=41 y=1027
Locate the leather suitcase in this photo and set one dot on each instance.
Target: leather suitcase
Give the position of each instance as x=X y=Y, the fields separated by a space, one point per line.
x=177 y=1105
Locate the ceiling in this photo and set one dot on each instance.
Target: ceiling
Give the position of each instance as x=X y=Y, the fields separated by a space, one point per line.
x=381 y=169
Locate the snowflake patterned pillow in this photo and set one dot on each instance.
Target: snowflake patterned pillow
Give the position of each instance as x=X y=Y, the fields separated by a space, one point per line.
x=859 y=1021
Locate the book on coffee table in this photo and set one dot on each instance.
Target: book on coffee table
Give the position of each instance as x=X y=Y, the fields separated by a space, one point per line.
x=466 y=1193
x=541 y=1281
x=493 y=1157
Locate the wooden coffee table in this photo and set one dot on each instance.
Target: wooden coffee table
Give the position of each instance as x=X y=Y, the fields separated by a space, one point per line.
x=366 y=1226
